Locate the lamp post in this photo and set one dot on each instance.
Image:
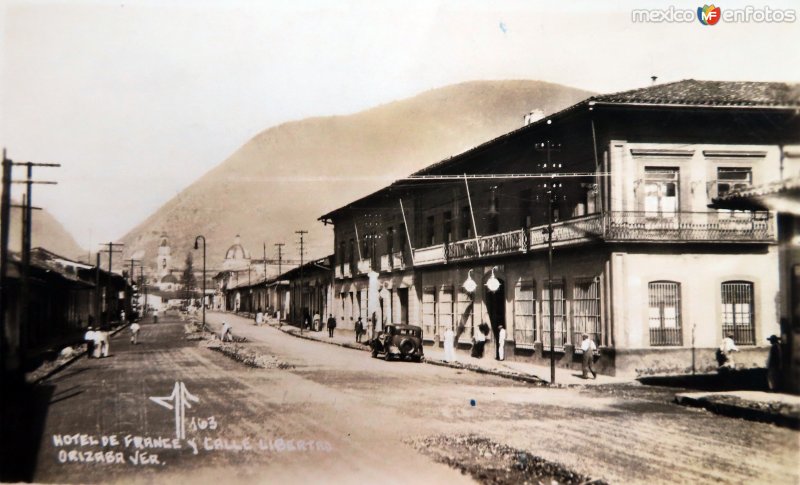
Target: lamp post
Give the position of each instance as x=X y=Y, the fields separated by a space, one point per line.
x=203 y=299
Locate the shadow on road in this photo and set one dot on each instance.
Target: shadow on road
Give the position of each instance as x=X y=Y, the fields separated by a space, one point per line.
x=733 y=380
x=22 y=418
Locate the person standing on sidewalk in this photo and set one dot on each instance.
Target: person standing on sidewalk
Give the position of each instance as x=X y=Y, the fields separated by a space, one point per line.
x=331 y=325
x=134 y=333
x=774 y=363
x=588 y=347
x=359 y=329
x=449 y=345
x=726 y=350
x=89 y=338
x=317 y=322
x=259 y=317
x=501 y=343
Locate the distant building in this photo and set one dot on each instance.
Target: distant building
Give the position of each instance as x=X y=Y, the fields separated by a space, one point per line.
x=640 y=263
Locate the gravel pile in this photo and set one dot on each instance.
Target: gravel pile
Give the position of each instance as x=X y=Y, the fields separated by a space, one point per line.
x=494 y=463
x=247 y=356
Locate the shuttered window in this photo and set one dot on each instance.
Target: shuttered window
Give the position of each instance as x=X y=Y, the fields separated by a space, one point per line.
x=586 y=311
x=429 y=311
x=559 y=316
x=525 y=314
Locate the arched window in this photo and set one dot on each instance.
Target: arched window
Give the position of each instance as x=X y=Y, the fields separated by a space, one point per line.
x=737 y=311
x=664 y=313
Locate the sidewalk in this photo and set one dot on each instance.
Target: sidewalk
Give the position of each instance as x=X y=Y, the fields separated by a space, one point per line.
x=520 y=371
x=780 y=409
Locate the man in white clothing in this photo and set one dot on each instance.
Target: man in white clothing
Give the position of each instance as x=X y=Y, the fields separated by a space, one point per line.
x=449 y=345
x=726 y=351
x=501 y=343
x=588 y=347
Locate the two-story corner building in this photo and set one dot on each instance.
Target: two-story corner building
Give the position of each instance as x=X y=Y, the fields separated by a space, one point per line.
x=640 y=263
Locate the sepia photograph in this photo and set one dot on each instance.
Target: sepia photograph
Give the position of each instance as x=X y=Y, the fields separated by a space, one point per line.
x=424 y=241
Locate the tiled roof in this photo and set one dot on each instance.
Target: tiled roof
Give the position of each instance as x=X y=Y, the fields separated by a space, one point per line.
x=710 y=93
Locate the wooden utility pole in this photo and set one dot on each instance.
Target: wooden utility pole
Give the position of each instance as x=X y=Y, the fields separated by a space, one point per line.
x=112 y=248
x=302 y=315
x=280 y=259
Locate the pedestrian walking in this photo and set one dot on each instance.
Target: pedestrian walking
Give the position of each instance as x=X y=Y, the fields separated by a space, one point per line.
x=588 y=347
x=226 y=334
x=155 y=315
x=89 y=338
x=774 y=363
x=449 y=345
x=501 y=343
x=134 y=333
x=259 y=317
x=331 y=325
x=359 y=328
x=725 y=353
x=101 y=343
x=122 y=316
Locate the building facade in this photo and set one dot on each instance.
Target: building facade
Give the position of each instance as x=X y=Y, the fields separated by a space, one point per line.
x=620 y=185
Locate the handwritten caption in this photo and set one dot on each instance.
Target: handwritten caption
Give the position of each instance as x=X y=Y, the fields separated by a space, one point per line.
x=144 y=450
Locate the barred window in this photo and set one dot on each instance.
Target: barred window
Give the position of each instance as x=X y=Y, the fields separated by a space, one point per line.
x=525 y=314
x=429 y=311
x=559 y=313
x=586 y=310
x=737 y=311
x=665 y=313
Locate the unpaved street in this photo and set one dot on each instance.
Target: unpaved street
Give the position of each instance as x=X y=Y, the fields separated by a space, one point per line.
x=342 y=416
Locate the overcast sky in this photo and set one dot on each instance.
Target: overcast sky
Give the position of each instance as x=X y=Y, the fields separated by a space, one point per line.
x=138 y=99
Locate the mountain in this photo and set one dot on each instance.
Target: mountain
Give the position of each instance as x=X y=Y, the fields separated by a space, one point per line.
x=288 y=175
x=48 y=233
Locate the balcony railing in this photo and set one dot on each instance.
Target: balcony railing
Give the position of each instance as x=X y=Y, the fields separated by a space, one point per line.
x=690 y=226
x=429 y=255
x=700 y=227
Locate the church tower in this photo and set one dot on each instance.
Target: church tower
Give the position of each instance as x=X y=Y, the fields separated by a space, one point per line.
x=164 y=258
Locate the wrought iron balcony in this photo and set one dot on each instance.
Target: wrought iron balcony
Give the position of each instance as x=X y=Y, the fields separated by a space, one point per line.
x=711 y=227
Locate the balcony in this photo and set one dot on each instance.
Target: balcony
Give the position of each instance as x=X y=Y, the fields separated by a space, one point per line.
x=700 y=227
x=690 y=226
x=363 y=266
x=393 y=261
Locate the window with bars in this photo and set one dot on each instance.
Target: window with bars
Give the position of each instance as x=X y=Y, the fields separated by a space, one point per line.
x=559 y=315
x=586 y=310
x=525 y=314
x=429 y=311
x=465 y=315
x=665 y=313
x=737 y=311
x=661 y=191
x=445 y=309
x=465 y=226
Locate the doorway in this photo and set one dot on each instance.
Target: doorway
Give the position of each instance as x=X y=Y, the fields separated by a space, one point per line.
x=402 y=296
x=495 y=302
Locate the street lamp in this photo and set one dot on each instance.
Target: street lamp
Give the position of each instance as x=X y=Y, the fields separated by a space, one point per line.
x=203 y=299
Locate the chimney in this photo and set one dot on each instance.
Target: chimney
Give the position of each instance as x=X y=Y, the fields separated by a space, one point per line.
x=533 y=116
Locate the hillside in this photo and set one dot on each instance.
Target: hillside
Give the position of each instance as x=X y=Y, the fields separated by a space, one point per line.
x=48 y=233
x=288 y=175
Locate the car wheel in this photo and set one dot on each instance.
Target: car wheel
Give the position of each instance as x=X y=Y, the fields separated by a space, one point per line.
x=408 y=347
x=388 y=356
x=374 y=352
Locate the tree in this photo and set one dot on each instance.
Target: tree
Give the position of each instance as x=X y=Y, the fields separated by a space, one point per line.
x=188 y=280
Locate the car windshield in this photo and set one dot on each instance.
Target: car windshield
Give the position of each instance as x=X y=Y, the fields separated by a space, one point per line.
x=408 y=331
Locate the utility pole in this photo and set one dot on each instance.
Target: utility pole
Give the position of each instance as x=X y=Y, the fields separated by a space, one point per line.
x=280 y=245
x=13 y=335
x=132 y=262
x=143 y=285
x=112 y=248
x=547 y=147
x=302 y=315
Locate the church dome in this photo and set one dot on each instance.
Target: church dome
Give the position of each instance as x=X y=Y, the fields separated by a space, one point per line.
x=237 y=251
x=169 y=279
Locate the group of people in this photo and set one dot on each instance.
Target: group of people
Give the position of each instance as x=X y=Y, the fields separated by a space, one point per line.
x=96 y=342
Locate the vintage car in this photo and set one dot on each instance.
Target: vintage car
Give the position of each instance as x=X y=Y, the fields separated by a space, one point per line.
x=404 y=341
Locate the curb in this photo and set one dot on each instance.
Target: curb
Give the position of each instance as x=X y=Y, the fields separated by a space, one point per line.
x=741 y=412
x=72 y=359
x=441 y=363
